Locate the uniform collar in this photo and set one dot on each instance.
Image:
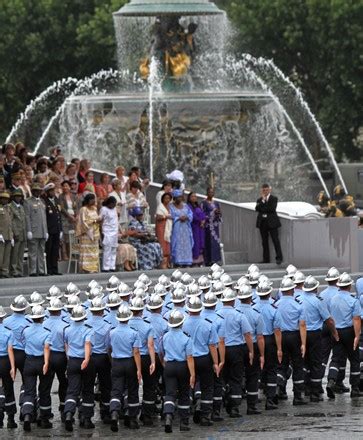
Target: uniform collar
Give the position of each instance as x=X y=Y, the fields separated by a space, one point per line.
x=245 y=306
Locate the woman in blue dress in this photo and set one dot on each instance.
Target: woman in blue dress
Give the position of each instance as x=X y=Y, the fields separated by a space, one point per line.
x=149 y=253
x=182 y=235
x=212 y=247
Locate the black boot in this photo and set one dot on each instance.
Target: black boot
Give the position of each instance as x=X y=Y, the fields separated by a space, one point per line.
x=252 y=410
x=282 y=394
x=270 y=404
x=147 y=421
x=68 y=421
x=298 y=400
x=114 y=421
x=330 y=389
x=355 y=392
x=45 y=424
x=1 y=419
x=184 y=424
x=196 y=417
x=27 y=423
x=234 y=412
x=168 y=423
x=206 y=421
x=340 y=388
x=88 y=424
x=134 y=424
x=11 y=422
x=216 y=416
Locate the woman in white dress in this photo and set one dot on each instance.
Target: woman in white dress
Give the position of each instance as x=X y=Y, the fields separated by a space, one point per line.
x=120 y=197
x=110 y=229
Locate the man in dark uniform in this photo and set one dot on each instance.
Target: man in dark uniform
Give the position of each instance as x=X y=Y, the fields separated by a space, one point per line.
x=268 y=222
x=54 y=223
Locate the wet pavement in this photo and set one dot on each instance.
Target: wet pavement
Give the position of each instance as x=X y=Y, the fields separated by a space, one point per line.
x=340 y=419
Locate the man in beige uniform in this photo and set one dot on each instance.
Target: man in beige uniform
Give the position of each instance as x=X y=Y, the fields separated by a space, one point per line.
x=19 y=233
x=6 y=234
x=37 y=231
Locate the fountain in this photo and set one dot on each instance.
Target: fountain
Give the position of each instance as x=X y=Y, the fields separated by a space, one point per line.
x=180 y=100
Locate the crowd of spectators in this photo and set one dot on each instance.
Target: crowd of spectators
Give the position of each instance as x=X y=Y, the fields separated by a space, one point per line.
x=49 y=208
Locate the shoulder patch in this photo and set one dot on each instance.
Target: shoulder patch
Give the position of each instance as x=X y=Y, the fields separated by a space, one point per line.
x=274 y=306
x=297 y=300
x=208 y=320
x=222 y=317
x=166 y=319
x=146 y=320
x=320 y=298
x=186 y=334
x=48 y=330
x=88 y=325
x=256 y=310
x=134 y=329
x=29 y=320
x=7 y=328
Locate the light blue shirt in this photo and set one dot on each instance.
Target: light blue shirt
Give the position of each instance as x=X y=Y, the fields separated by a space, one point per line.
x=290 y=313
x=255 y=298
x=328 y=294
x=176 y=345
x=35 y=338
x=359 y=289
x=236 y=326
x=316 y=311
x=111 y=318
x=6 y=340
x=167 y=305
x=202 y=333
x=76 y=336
x=101 y=330
x=160 y=327
x=269 y=315
x=17 y=323
x=145 y=331
x=122 y=340
x=217 y=321
x=344 y=308
x=56 y=325
x=254 y=318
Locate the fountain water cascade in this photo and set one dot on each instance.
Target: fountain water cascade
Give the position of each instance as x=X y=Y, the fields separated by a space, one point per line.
x=181 y=100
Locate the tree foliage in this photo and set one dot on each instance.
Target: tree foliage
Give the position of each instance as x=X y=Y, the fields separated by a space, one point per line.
x=317 y=43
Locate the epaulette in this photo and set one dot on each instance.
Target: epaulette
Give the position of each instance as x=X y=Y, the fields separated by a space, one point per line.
x=45 y=328
x=146 y=320
x=7 y=328
x=63 y=319
x=167 y=307
x=208 y=320
x=186 y=334
x=222 y=317
x=88 y=325
x=165 y=319
x=274 y=306
x=255 y=310
x=29 y=320
x=298 y=301
x=134 y=329
x=321 y=299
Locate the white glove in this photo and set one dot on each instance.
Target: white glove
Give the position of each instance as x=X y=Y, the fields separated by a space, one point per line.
x=2 y=239
x=12 y=242
x=29 y=235
x=46 y=236
x=61 y=236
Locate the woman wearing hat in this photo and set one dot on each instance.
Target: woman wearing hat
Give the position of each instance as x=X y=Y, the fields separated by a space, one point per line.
x=88 y=231
x=7 y=373
x=37 y=342
x=149 y=253
x=182 y=235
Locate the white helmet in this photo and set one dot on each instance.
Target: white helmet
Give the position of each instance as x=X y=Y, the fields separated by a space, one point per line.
x=333 y=274
x=344 y=280
x=287 y=284
x=291 y=270
x=244 y=292
x=298 y=277
x=310 y=284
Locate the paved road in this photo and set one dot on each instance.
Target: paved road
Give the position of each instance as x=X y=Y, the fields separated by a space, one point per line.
x=342 y=419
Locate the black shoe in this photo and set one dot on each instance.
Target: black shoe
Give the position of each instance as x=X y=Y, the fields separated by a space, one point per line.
x=27 y=423
x=168 y=423
x=278 y=262
x=270 y=404
x=68 y=422
x=88 y=424
x=340 y=388
x=1 y=419
x=106 y=419
x=134 y=424
x=196 y=417
x=234 y=413
x=282 y=394
x=184 y=425
x=252 y=410
x=330 y=389
x=299 y=400
x=33 y=275
x=11 y=422
x=307 y=392
x=147 y=421
x=216 y=416
x=355 y=393
x=46 y=424
x=314 y=398
x=42 y=275
x=126 y=421
x=114 y=421
x=206 y=421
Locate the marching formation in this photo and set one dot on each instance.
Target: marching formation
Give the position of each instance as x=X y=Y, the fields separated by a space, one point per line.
x=195 y=347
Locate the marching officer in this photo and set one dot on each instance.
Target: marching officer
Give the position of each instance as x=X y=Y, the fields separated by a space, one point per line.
x=238 y=333
x=178 y=298
x=293 y=327
x=100 y=356
x=209 y=313
x=19 y=233
x=79 y=340
x=56 y=325
x=346 y=312
x=147 y=352
x=205 y=342
x=37 y=230
x=252 y=371
x=113 y=303
x=17 y=322
x=37 y=341
x=316 y=314
x=7 y=374
x=179 y=372
x=273 y=344
x=125 y=344
x=6 y=234
x=299 y=279
x=54 y=225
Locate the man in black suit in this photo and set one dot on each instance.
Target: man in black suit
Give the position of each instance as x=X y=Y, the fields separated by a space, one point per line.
x=268 y=222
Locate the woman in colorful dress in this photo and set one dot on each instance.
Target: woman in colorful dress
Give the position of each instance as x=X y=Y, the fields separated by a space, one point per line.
x=88 y=231
x=182 y=235
x=149 y=253
x=163 y=228
x=212 y=210
x=198 y=229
